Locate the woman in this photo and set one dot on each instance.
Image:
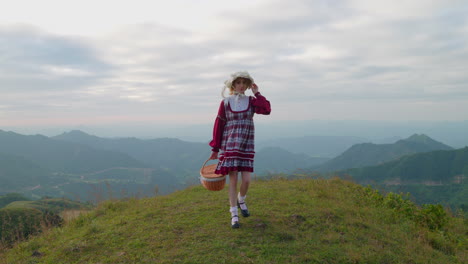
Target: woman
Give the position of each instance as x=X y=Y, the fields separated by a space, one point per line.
x=233 y=137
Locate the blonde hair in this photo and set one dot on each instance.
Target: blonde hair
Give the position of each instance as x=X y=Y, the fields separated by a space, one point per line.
x=231 y=88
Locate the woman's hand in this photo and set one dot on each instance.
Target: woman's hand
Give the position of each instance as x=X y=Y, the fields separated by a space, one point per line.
x=214 y=155
x=254 y=88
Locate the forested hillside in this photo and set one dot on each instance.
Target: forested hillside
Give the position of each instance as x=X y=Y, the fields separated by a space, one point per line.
x=435 y=167
x=368 y=154
x=431 y=177
x=19 y=173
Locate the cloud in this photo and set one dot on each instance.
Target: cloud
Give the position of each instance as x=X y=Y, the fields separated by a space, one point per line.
x=305 y=55
x=35 y=61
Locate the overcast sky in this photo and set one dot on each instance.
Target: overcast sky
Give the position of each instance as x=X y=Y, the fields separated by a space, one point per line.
x=74 y=63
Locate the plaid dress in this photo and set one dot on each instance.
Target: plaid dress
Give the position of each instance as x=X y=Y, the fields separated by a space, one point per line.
x=237 y=145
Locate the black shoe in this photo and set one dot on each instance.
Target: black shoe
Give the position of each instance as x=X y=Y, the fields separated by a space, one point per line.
x=245 y=213
x=236 y=223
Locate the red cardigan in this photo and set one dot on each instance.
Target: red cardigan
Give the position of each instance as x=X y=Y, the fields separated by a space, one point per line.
x=261 y=106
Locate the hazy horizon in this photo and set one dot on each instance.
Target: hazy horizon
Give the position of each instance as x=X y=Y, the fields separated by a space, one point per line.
x=452 y=133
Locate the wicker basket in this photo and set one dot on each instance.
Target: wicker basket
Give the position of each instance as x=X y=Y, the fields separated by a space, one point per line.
x=209 y=179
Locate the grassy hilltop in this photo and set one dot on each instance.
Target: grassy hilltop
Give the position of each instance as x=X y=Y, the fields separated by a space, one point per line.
x=293 y=221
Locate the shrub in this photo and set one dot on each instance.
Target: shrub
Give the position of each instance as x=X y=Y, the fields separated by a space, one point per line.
x=433 y=216
x=401 y=205
x=19 y=223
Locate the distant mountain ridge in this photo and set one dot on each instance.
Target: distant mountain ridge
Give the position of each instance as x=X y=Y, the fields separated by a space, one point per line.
x=314 y=146
x=157 y=153
x=368 y=154
x=63 y=156
x=434 y=167
x=187 y=157
x=270 y=160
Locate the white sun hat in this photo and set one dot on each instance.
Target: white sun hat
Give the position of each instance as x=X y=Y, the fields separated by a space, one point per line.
x=234 y=76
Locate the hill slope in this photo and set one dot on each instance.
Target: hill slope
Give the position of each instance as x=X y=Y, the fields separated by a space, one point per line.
x=368 y=154
x=11 y=197
x=435 y=167
x=17 y=173
x=431 y=177
x=293 y=221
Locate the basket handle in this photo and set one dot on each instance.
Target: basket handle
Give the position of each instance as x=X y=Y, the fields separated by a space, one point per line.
x=205 y=163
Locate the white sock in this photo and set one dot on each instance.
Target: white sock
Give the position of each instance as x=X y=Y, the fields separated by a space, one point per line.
x=233 y=210
x=241 y=200
x=234 y=215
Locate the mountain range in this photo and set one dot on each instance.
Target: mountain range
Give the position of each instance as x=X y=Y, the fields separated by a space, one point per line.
x=80 y=166
x=429 y=177
x=271 y=160
x=186 y=158
x=77 y=165
x=62 y=156
x=40 y=166
x=314 y=146
x=168 y=153
x=430 y=168
x=368 y=154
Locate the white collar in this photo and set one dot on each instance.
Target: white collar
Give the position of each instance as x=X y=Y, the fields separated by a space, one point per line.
x=239 y=95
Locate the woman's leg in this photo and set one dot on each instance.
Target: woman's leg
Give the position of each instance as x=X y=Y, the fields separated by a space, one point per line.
x=244 y=188
x=233 y=199
x=233 y=188
x=243 y=192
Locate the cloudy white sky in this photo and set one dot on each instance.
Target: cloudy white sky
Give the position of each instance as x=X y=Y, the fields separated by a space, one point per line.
x=71 y=63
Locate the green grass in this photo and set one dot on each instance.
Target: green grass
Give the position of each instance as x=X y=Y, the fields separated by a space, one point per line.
x=292 y=221
x=54 y=205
